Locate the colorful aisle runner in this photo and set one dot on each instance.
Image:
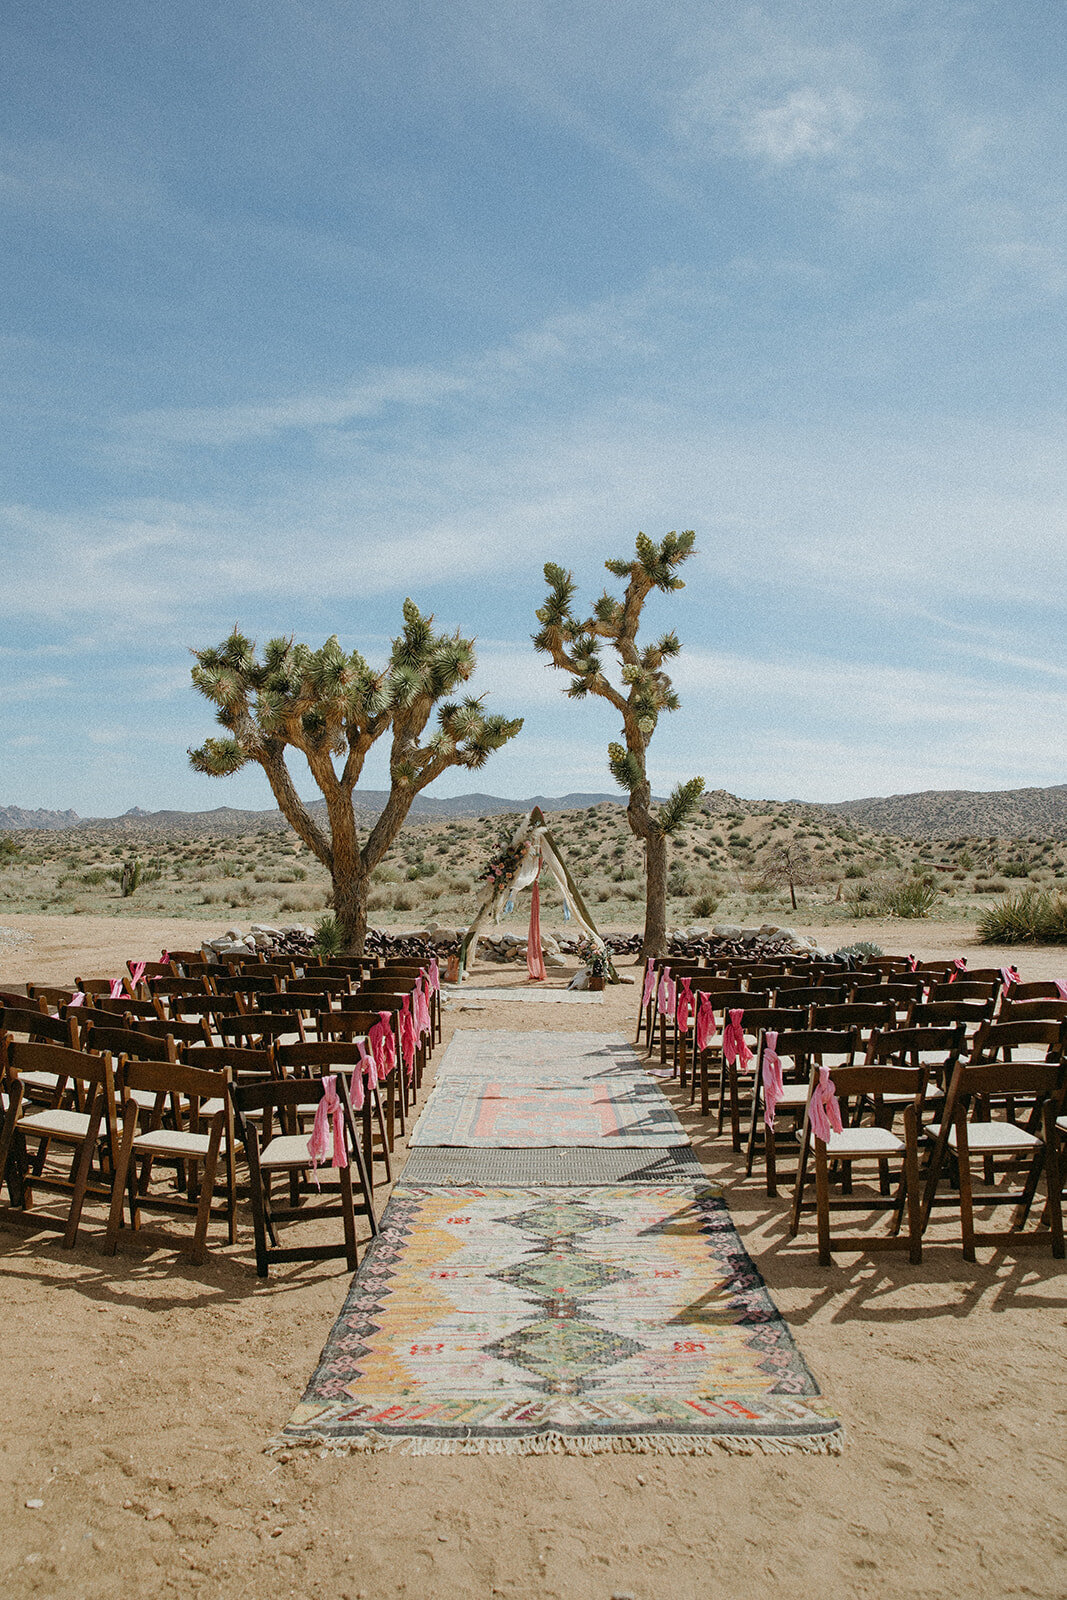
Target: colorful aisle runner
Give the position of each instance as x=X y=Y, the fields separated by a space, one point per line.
x=494 y=1315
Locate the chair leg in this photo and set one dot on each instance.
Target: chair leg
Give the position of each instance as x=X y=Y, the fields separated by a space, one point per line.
x=122 y=1173
x=966 y=1197
x=1054 y=1179
x=81 y=1171
x=822 y=1202
x=380 y=1115
x=911 y=1179
x=207 y=1191
x=348 y=1214
x=259 y=1214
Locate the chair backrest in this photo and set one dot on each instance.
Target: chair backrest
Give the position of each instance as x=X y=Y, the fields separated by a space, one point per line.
x=170 y=1079
x=808 y=995
x=47 y=994
x=1038 y=990
x=742 y=1000
x=910 y=1046
x=900 y=995
x=1031 y=1010
x=803 y=1045
x=243 y=983
x=296 y=1060
x=128 y=1042
x=21 y=1002
x=83 y=1067
x=186 y=983
x=711 y=983
x=965 y=989
x=352 y=1024
x=283 y=1097
x=122 y=1006
x=759 y=1018
x=999 y=1040
x=319 y=984
x=873 y=1082
x=864 y=1016
x=36 y=1025
x=257 y=1025
x=94 y=986
x=240 y=1062
x=938 y=1013
x=185 y=1033
x=204 y=1005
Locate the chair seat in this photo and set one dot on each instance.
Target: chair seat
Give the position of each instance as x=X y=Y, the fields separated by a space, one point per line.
x=171 y=1142
x=56 y=1124
x=287 y=1150
x=856 y=1143
x=41 y=1082
x=993 y=1138
x=794 y=1095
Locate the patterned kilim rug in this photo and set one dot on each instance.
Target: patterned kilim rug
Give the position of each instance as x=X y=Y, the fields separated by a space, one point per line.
x=516 y=1114
x=583 y=1319
x=540 y=1283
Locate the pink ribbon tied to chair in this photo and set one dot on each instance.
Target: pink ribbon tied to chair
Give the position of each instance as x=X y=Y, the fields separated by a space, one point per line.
x=913 y=965
x=773 y=1089
x=137 y=971
x=422 y=1004
x=408 y=1041
x=383 y=1049
x=329 y=1119
x=76 y=999
x=706 y=1025
x=118 y=989
x=1008 y=976
x=1062 y=987
x=734 y=1046
x=650 y=983
x=824 y=1112
x=665 y=1000
x=434 y=976
x=959 y=965
x=685 y=1005
x=365 y=1069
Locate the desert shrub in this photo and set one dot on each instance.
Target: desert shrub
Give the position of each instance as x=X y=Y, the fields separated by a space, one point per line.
x=705 y=905
x=1030 y=916
x=862 y=949
x=912 y=897
x=10 y=849
x=854 y=870
x=402 y=901
x=329 y=940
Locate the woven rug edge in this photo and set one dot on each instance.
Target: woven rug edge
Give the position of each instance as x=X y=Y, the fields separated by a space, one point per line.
x=829 y=1442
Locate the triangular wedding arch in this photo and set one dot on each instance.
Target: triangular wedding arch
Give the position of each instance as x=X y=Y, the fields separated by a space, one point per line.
x=533 y=851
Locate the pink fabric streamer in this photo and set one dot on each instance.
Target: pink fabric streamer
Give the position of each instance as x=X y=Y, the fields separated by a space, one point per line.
x=164 y=957
x=650 y=983
x=365 y=1068
x=734 y=1047
x=913 y=965
x=1008 y=976
x=118 y=989
x=434 y=976
x=382 y=1046
x=408 y=1041
x=76 y=999
x=959 y=965
x=824 y=1112
x=535 y=958
x=329 y=1116
x=706 y=1026
x=665 y=1000
x=137 y=970
x=1062 y=987
x=772 y=1078
x=685 y=1005
x=422 y=1005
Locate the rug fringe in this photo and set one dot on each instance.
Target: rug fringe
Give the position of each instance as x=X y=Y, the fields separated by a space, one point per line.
x=544 y=1444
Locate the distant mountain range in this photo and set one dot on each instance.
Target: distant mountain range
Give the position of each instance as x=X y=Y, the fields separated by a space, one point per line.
x=932 y=814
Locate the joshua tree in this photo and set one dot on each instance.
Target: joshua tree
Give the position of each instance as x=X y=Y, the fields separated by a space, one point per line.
x=575 y=647
x=333 y=708
x=790 y=864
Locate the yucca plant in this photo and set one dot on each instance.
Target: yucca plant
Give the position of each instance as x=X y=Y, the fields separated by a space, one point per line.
x=912 y=897
x=329 y=940
x=1030 y=916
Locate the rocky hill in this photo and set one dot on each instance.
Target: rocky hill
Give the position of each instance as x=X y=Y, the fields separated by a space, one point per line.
x=963 y=813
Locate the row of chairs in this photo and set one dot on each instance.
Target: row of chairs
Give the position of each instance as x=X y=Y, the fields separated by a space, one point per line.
x=122 y=1093
x=981 y=1068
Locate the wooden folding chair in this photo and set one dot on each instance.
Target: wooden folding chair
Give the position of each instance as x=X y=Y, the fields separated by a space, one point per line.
x=286 y=1154
x=86 y=1127
x=178 y=1130
x=861 y=1142
x=324 y=1056
x=800 y=1052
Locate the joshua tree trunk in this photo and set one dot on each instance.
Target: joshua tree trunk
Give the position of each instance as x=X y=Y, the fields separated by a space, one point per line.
x=642 y=824
x=350 y=908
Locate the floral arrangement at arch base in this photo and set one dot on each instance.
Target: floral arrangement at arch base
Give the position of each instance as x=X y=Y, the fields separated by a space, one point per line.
x=594 y=958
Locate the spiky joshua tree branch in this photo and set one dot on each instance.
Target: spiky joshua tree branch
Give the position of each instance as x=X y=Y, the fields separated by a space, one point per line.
x=333 y=708
x=575 y=644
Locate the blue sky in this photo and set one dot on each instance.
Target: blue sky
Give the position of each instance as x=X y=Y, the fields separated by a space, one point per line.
x=309 y=306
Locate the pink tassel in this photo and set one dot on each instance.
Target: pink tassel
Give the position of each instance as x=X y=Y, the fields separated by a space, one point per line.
x=685 y=1005
x=824 y=1112
x=328 y=1112
x=650 y=983
x=734 y=1047
x=706 y=1026
x=773 y=1089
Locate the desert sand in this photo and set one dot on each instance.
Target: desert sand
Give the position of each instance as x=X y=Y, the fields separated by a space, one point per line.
x=140 y=1396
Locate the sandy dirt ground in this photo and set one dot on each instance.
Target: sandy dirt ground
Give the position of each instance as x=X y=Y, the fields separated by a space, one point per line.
x=139 y=1395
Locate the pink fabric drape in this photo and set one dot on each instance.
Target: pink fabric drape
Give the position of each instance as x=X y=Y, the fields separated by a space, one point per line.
x=118 y=989
x=137 y=971
x=706 y=1025
x=824 y=1111
x=1062 y=987
x=422 y=1005
x=380 y=1037
x=772 y=1078
x=959 y=965
x=734 y=1046
x=408 y=1041
x=535 y=960
x=1008 y=976
x=76 y=999
x=913 y=965
x=365 y=1069
x=665 y=1002
x=650 y=983
x=329 y=1119
x=685 y=1005
x=434 y=975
